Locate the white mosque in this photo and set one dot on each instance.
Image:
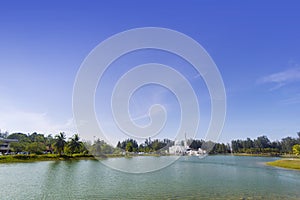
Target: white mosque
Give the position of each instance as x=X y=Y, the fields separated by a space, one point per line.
x=179 y=149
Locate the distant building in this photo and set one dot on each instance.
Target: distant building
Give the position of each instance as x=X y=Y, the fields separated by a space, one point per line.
x=179 y=149
x=5 y=144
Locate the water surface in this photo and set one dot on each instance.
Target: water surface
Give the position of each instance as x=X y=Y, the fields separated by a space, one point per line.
x=217 y=177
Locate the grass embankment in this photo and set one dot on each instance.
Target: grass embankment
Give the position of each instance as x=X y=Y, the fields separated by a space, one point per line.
x=286 y=163
x=49 y=157
x=257 y=154
x=45 y=157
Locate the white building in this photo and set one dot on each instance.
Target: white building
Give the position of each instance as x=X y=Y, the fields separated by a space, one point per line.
x=179 y=149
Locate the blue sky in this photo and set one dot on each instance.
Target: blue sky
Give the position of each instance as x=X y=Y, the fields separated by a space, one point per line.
x=255 y=45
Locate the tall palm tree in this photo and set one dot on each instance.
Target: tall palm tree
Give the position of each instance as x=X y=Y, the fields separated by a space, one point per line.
x=60 y=143
x=75 y=144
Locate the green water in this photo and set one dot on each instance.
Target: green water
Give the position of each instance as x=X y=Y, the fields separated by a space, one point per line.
x=215 y=177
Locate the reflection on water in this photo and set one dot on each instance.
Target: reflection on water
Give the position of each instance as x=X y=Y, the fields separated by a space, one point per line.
x=223 y=177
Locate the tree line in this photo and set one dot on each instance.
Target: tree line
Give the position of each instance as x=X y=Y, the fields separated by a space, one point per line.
x=262 y=144
x=40 y=144
x=149 y=146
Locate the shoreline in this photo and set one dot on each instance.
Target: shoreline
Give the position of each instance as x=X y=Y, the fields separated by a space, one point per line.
x=49 y=157
x=256 y=155
x=291 y=163
x=56 y=157
x=286 y=161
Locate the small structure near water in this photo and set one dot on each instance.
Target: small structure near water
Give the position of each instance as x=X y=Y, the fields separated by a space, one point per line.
x=5 y=145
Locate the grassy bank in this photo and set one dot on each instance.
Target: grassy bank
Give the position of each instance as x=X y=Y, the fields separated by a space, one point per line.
x=49 y=157
x=267 y=155
x=257 y=154
x=286 y=163
x=45 y=157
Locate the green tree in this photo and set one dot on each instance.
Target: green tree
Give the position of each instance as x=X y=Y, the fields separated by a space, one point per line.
x=119 y=144
x=21 y=137
x=18 y=146
x=262 y=142
x=129 y=144
x=107 y=149
x=21 y=145
x=287 y=144
x=35 y=137
x=60 y=143
x=129 y=147
x=96 y=147
x=156 y=145
x=49 y=143
x=296 y=149
x=36 y=147
x=74 y=144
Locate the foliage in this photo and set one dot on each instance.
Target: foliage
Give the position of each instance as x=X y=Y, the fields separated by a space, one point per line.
x=36 y=147
x=21 y=137
x=148 y=146
x=296 y=149
x=29 y=144
x=99 y=148
x=74 y=145
x=129 y=147
x=38 y=144
x=263 y=145
x=60 y=143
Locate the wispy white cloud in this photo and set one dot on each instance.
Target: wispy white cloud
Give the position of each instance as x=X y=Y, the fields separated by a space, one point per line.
x=281 y=79
x=292 y=100
x=13 y=120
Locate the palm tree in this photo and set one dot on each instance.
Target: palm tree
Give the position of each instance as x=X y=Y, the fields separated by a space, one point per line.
x=75 y=144
x=49 y=143
x=60 y=143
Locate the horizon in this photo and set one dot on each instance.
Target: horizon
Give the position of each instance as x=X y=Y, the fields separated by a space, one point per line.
x=254 y=44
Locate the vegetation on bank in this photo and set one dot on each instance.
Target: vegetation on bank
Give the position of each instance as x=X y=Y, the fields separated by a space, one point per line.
x=40 y=147
x=286 y=163
x=45 y=157
x=262 y=145
x=296 y=149
x=38 y=144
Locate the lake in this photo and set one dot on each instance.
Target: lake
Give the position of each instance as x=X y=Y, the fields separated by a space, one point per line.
x=214 y=177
